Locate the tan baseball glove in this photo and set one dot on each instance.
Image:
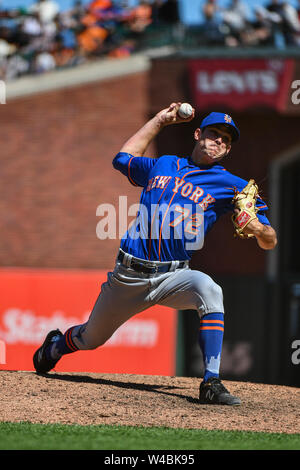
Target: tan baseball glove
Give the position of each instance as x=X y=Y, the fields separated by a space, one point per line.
x=245 y=201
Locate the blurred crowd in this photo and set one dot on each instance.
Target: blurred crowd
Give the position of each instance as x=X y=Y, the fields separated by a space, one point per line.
x=277 y=24
x=41 y=38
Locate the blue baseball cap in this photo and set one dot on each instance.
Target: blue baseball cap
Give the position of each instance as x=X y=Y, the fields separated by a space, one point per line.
x=221 y=118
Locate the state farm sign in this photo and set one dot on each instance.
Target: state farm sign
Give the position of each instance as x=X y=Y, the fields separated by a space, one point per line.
x=34 y=301
x=240 y=83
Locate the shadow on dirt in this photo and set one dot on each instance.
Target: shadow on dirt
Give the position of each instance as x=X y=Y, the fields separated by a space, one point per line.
x=155 y=388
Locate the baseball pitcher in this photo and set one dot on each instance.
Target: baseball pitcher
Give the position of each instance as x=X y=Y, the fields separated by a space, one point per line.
x=181 y=199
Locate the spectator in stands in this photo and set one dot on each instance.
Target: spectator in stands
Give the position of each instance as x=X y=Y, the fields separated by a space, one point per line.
x=46 y=9
x=260 y=31
x=44 y=62
x=71 y=19
x=212 y=28
x=7 y=50
x=167 y=11
x=275 y=6
x=78 y=10
x=65 y=48
x=297 y=35
x=235 y=19
x=210 y=10
x=91 y=39
x=98 y=35
x=140 y=17
x=41 y=37
x=46 y=12
x=16 y=66
x=31 y=26
x=291 y=18
x=284 y=20
x=156 y=7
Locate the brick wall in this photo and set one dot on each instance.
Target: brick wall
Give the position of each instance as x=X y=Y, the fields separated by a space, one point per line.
x=56 y=156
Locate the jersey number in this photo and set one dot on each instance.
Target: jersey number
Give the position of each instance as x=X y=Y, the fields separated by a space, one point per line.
x=194 y=221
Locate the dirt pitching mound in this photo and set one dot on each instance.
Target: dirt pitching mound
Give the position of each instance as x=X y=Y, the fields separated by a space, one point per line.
x=143 y=400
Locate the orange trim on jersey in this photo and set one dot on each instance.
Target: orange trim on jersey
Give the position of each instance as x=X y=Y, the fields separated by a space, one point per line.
x=178 y=167
x=211 y=328
x=212 y=321
x=233 y=188
x=129 y=177
x=262 y=207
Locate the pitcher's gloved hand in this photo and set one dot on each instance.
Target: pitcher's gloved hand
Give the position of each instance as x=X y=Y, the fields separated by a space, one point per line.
x=245 y=209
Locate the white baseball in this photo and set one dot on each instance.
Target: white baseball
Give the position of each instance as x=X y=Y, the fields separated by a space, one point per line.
x=185 y=111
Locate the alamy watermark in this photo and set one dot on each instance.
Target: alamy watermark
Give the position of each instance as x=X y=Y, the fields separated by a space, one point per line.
x=158 y=222
x=296 y=354
x=296 y=94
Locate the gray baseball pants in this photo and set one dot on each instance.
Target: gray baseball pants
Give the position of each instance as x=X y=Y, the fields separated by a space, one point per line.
x=127 y=292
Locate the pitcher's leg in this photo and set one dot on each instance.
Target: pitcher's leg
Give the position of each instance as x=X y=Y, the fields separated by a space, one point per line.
x=105 y=319
x=195 y=290
x=189 y=289
x=118 y=301
x=210 y=340
x=106 y=316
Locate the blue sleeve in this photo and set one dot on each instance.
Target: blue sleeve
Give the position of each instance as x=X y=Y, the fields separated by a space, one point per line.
x=262 y=208
x=135 y=168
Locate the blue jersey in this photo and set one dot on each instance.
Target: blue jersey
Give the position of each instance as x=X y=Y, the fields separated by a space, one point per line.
x=179 y=204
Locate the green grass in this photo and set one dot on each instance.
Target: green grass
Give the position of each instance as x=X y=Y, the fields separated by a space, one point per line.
x=28 y=436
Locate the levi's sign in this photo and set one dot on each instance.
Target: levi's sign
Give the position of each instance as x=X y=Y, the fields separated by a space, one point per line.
x=225 y=82
x=239 y=83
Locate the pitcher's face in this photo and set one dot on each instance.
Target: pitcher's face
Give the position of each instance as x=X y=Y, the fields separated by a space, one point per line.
x=213 y=144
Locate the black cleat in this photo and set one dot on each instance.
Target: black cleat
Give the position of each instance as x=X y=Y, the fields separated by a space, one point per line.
x=41 y=363
x=213 y=392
